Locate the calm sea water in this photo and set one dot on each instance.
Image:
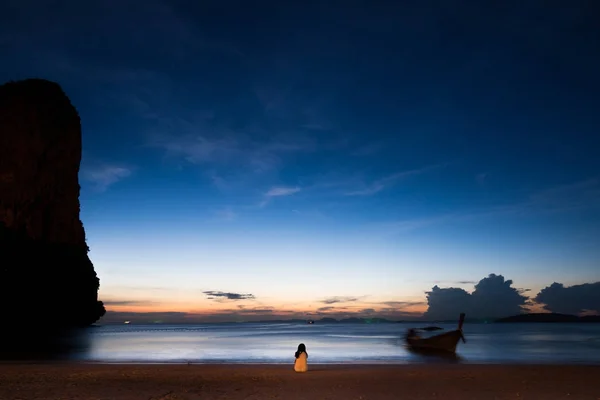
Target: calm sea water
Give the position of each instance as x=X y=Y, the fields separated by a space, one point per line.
x=334 y=343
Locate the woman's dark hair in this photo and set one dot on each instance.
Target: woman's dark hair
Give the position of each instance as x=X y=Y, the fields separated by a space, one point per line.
x=301 y=349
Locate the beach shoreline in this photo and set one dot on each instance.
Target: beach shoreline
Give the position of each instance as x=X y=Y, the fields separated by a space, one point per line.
x=433 y=362
x=76 y=380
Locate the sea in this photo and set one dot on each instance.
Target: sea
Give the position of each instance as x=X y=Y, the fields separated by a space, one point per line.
x=335 y=343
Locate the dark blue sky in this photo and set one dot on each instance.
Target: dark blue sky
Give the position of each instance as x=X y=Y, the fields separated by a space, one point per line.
x=372 y=148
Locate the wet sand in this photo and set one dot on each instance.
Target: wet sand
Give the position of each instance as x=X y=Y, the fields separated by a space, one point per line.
x=322 y=382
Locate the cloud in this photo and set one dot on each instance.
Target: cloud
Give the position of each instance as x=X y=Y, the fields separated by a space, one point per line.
x=217 y=180
x=447 y=303
x=279 y=191
x=256 y=311
x=342 y=307
x=353 y=306
x=574 y=299
x=228 y=295
x=493 y=297
x=227 y=152
x=457 y=282
x=125 y=303
x=339 y=299
x=282 y=191
x=324 y=309
x=226 y=149
x=103 y=176
x=338 y=182
x=211 y=138
x=245 y=310
x=383 y=183
x=403 y=304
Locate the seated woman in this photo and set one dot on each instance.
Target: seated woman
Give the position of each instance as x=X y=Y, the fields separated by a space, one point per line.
x=411 y=335
x=301 y=362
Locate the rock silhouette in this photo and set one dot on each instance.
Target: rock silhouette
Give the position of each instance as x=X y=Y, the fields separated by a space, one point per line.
x=46 y=277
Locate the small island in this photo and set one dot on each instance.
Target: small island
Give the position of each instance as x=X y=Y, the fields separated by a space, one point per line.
x=327 y=320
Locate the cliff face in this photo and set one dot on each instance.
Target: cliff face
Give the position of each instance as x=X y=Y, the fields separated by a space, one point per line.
x=45 y=273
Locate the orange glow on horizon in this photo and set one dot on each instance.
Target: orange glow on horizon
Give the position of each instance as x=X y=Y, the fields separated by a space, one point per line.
x=249 y=309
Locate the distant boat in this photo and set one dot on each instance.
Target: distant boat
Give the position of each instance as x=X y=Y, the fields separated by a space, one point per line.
x=310 y=322
x=445 y=342
x=432 y=328
x=127 y=322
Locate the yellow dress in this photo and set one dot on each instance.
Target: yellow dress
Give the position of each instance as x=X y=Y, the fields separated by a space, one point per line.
x=301 y=363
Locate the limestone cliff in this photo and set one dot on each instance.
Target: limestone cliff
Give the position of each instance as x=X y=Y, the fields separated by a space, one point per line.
x=45 y=273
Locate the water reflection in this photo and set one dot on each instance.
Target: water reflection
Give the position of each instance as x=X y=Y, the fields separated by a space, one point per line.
x=327 y=343
x=435 y=356
x=426 y=355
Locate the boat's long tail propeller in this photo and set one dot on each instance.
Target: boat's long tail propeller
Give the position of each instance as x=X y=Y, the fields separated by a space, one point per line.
x=461 y=321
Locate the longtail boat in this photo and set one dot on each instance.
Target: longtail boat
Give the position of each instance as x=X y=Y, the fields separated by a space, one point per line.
x=446 y=342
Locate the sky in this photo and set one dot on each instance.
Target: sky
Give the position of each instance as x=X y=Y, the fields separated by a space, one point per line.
x=329 y=159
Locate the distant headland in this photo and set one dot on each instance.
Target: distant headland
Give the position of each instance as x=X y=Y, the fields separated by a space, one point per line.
x=330 y=321
x=534 y=317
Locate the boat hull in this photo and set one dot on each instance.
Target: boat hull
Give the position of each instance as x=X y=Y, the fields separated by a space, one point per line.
x=445 y=342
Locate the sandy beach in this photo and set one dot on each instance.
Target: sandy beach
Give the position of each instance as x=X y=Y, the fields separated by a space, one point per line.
x=105 y=381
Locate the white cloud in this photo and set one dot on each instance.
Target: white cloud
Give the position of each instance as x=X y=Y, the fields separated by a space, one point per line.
x=282 y=191
x=390 y=180
x=278 y=191
x=103 y=176
x=231 y=150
